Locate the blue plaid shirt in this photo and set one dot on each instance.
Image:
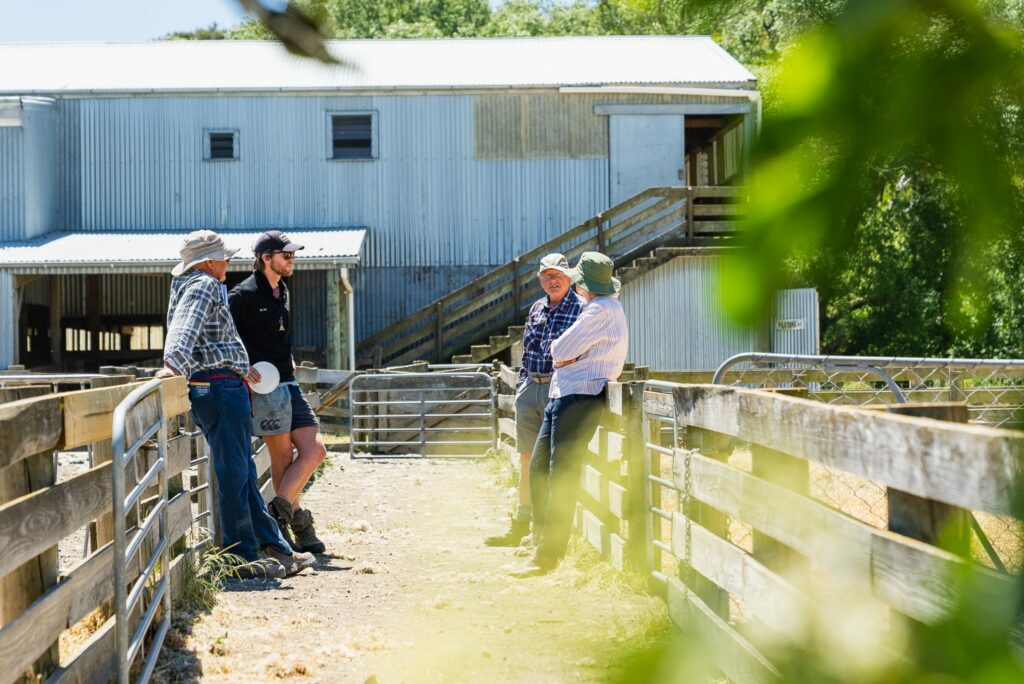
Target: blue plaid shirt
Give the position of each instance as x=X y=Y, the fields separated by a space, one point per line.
x=544 y=325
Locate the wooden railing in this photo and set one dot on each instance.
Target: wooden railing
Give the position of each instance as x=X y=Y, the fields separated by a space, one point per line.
x=716 y=495
x=37 y=512
x=498 y=299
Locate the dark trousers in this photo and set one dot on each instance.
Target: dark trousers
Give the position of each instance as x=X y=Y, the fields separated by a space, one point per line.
x=569 y=424
x=220 y=407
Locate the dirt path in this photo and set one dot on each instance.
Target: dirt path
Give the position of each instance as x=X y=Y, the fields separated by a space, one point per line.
x=413 y=595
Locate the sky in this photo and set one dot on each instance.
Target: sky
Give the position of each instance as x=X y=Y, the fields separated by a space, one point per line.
x=24 y=21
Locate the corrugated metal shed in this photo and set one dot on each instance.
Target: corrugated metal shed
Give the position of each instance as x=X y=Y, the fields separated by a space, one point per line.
x=157 y=252
x=226 y=66
x=795 y=323
x=8 y=320
x=676 y=321
x=29 y=203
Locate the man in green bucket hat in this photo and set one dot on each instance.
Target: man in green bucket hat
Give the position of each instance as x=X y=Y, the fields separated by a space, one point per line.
x=586 y=357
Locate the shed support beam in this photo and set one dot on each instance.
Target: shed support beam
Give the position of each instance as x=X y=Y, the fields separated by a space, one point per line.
x=56 y=332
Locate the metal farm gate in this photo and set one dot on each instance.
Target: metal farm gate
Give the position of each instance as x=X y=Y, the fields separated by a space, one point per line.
x=403 y=415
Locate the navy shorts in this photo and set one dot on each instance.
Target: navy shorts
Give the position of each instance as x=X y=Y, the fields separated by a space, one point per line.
x=281 y=411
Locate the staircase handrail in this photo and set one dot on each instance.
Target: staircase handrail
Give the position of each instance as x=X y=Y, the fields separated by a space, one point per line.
x=652 y=223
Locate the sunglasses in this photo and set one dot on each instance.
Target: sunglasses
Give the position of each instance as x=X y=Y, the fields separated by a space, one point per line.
x=287 y=256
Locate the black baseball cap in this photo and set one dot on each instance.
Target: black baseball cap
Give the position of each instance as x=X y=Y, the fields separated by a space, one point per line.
x=274 y=241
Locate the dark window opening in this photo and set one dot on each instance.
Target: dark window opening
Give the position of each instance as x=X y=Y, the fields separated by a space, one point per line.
x=222 y=145
x=352 y=136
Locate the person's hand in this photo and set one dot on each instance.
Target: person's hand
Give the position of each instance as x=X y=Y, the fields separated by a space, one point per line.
x=563 y=364
x=253 y=377
x=165 y=372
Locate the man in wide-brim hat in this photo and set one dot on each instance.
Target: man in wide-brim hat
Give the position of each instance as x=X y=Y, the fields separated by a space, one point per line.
x=203 y=345
x=586 y=357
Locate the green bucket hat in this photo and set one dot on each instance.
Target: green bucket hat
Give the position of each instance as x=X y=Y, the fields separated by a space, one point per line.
x=594 y=272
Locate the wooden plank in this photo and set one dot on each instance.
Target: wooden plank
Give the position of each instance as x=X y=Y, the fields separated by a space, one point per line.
x=771 y=599
x=916 y=579
x=730 y=652
x=28 y=427
x=969 y=466
x=86 y=587
x=595 y=532
x=930 y=521
x=509 y=377
x=19 y=588
x=618 y=500
x=88 y=413
x=9 y=394
x=659 y=404
x=615 y=395
x=507 y=427
x=507 y=403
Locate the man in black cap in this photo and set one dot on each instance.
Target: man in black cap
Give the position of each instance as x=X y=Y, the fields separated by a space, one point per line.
x=283 y=418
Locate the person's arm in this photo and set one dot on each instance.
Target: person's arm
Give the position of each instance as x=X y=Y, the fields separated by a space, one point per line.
x=189 y=317
x=579 y=337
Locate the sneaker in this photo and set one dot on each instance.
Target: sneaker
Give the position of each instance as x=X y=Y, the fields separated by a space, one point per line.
x=305 y=534
x=519 y=529
x=293 y=563
x=280 y=510
x=262 y=568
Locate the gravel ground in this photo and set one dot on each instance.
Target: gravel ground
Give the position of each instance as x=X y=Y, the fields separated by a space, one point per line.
x=412 y=595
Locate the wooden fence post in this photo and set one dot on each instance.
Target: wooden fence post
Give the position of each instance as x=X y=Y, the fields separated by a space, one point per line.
x=600 y=233
x=19 y=588
x=439 y=332
x=937 y=523
x=689 y=212
x=638 y=538
x=515 y=291
x=793 y=474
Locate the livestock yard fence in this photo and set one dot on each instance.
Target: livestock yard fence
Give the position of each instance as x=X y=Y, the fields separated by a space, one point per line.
x=105 y=493
x=732 y=500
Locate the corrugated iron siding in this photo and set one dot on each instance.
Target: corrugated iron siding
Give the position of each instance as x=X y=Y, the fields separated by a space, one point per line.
x=795 y=324
x=676 y=321
x=12 y=183
x=8 y=319
x=425 y=200
x=42 y=208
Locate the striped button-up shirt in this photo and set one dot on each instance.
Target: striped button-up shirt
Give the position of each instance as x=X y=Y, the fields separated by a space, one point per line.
x=200 y=332
x=598 y=340
x=544 y=323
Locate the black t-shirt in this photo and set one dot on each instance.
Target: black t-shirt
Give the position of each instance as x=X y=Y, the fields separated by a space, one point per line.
x=264 y=322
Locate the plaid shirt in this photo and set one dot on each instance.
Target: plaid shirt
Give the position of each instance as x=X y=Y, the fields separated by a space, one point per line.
x=543 y=325
x=200 y=332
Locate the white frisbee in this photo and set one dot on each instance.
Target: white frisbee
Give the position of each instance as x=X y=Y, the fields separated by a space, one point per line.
x=269 y=378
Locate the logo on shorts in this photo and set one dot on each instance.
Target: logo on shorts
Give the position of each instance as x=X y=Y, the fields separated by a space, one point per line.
x=270 y=424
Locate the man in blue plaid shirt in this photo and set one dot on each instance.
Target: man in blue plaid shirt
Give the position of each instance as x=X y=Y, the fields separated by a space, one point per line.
x=549 y=317
x=202 y=344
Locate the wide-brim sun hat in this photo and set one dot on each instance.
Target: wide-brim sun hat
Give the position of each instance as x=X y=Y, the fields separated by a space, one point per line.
x=199 y=246
x=594 y=272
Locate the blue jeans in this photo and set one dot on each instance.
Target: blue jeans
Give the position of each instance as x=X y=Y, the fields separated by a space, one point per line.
x=220 y=407
x=569 y=424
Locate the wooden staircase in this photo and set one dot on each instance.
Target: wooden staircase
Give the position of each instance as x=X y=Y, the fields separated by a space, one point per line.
x=485 y=315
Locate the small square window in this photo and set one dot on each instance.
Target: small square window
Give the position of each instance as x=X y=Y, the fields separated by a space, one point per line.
x=221 y=145
x=352 y=136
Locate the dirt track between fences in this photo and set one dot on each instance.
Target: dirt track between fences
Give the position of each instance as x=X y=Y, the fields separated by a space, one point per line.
x=412 y=594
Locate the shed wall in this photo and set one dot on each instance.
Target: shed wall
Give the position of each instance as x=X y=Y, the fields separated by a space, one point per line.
x=12 y=182
x=8 y=319
x=795 y=323
x=42 y=203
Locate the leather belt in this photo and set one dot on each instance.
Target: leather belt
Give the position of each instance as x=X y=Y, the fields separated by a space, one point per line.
x=540 y=379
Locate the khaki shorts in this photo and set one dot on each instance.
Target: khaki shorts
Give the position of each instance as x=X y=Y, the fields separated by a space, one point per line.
x=531 y=398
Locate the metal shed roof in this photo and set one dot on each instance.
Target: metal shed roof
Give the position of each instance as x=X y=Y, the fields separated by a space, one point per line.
x=158 y=252
x=248 y=66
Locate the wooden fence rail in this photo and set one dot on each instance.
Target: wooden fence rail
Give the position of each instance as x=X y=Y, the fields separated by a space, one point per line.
x=676 y=472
